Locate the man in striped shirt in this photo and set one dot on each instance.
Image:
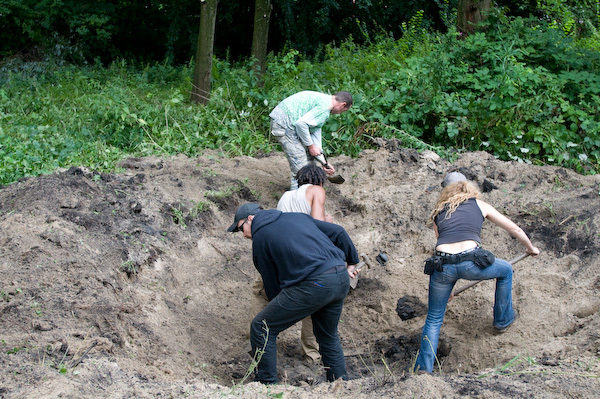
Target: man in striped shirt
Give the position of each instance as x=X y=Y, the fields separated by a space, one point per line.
x=296 y=122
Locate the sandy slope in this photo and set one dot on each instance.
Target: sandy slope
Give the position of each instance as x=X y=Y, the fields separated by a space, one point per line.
x=127 y=285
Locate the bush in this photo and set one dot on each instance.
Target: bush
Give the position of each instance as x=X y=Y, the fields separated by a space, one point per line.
x=518 y=89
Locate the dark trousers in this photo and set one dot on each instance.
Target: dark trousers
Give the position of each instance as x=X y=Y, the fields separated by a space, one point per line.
x=323 y=298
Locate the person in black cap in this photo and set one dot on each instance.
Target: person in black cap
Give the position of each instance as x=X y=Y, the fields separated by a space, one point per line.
x=457 y=219
x=309 y=199
x=306 y=265
x=242 y=213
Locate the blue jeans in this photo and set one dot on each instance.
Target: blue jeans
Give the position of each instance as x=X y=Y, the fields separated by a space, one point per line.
x=440 y=288
x=323 y=298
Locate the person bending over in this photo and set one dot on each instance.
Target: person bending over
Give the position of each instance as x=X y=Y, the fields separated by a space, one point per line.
x=296 y=122
x=457 y=219
x=308 y=199
x=306 y=265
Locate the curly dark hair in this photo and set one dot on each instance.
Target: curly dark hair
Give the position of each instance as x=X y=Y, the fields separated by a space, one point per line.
x=311 y=174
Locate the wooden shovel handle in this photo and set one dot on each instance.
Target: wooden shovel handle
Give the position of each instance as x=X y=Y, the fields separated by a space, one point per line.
x=365 y=261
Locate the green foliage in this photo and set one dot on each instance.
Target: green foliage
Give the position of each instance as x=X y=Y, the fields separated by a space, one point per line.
x=62 y=116
x=179 y=217
x=86 y=31
x=13 y=350
x=310 y=26
x=525 y=364
x=6 y=295
x=529 y=93
x=519 y=89
x=576 y=18
x=129 y=267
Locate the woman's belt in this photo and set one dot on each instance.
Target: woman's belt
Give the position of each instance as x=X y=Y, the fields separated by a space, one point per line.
x=469 y=254
x=478 y=255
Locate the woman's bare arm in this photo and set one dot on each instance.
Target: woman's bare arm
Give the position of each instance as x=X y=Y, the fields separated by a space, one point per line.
x=490 y=213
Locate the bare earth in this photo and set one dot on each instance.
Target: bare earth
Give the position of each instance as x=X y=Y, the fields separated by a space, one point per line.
x=126 y=285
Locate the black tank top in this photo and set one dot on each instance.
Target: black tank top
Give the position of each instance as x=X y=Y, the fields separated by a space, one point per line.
x=462 y=225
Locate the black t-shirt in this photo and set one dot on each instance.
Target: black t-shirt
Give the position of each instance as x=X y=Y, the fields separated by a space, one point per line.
x=463 y=224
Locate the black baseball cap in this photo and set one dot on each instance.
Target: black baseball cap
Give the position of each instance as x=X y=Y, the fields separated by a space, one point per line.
x=243 y=212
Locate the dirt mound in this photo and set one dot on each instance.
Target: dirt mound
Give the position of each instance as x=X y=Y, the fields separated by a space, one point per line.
x=127 y=284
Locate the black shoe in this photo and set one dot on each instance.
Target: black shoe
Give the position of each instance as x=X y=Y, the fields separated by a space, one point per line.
x=502 y=330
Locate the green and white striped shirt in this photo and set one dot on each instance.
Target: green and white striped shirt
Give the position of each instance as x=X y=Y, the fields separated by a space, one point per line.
x=304 y=112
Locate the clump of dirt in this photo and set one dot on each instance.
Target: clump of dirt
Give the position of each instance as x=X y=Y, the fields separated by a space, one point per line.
x=127 y=284
x=409 y=307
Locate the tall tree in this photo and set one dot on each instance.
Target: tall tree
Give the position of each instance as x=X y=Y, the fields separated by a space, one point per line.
x=260 y=36
x=204 y=51
x=470 y=12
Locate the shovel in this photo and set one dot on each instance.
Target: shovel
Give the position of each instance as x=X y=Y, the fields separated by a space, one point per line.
x=364 y=261
x=472 y=283
x=334 y=179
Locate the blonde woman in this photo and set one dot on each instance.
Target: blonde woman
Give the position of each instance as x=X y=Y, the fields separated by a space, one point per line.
x=457 y=219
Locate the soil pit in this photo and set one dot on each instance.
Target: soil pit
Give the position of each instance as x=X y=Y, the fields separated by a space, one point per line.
x=128 y=285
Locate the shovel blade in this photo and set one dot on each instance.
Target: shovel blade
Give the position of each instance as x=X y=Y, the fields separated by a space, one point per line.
x=354 y=280
x=336 y=179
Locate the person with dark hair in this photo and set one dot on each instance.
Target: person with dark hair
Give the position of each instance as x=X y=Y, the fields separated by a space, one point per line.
x=306 y=266
x=310 y=175
x=296 y=122
x=308 y=199
x=457 y=219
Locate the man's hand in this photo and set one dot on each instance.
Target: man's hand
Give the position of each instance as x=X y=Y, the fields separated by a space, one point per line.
x=314 y=150
x=351 y=272
x=328 y=169
x=329 y=218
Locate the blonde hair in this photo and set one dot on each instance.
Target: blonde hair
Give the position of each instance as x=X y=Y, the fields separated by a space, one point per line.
x=452 y=196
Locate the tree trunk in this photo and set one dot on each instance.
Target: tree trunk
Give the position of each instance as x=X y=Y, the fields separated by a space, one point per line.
x=260 y=36
x=204 y=51
x=470 y=12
